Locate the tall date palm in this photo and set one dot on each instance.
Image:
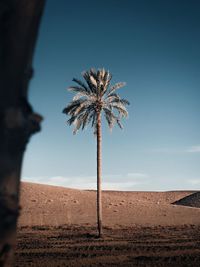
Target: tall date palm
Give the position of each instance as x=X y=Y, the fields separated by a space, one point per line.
x=93 y=98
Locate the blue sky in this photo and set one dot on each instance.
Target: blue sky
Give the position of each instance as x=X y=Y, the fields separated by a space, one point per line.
x=151 y=45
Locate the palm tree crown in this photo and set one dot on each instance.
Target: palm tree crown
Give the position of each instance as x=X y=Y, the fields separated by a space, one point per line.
x=94 y=97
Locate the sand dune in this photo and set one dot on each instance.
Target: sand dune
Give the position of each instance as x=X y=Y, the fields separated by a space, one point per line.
x=54 y=206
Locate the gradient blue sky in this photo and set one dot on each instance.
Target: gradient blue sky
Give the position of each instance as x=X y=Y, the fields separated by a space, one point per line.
x=154 y=46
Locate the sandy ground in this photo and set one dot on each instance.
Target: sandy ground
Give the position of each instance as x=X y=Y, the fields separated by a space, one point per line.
x=57 y=227
x=55 y=206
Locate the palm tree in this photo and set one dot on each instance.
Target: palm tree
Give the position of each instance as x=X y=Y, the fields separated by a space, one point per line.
x=93 y=98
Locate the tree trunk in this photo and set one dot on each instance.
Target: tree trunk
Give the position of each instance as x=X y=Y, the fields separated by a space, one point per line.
x=19 y=23
x=99 y=198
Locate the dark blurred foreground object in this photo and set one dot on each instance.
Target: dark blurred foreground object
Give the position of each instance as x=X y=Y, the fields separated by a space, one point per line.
x=19 y=23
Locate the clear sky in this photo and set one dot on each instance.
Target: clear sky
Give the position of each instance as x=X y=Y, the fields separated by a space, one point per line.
x=154 y=46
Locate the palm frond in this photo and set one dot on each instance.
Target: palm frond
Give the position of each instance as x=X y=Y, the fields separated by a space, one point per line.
x=123 y=101
x=110 y=117
x=112 y=97
x=85 y=120
x=93 y=81
x=72 y=106
x=71 y=120
x=80 y=109
x=121 y=109
x=77 y=89
x=94 y=119
x=86 y=76
x=82 y=84
x=106 y=82
x=119 y=124
x=78 y=96
x=77 y=124
x=115 y=87
x=94 y=73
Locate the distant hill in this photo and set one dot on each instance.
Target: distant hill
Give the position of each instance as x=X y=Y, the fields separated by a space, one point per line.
x=192 y=200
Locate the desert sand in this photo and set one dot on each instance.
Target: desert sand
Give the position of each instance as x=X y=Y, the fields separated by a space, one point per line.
x=57 y=227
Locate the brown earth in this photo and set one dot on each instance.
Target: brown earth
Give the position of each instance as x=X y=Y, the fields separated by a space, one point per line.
x=57 y=227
